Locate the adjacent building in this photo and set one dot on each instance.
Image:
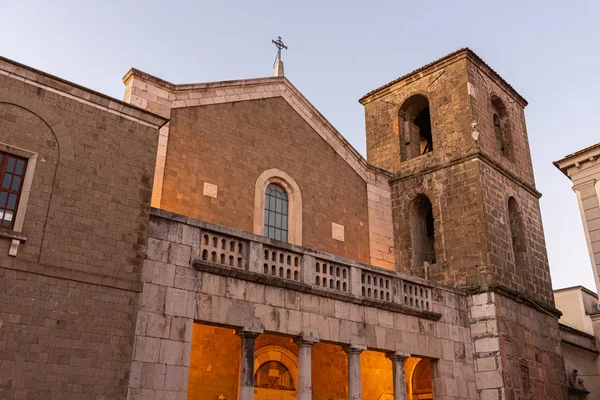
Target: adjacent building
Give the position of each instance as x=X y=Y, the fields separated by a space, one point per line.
x=580 y=322
x=224 y=241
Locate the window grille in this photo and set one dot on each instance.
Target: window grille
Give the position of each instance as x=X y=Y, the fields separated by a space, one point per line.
x=12 y=174
x=276 y=212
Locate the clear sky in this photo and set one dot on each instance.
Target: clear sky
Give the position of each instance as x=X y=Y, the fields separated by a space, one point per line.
x=339 y=50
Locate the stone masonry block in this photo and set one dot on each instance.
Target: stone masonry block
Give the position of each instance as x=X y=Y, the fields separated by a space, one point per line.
x=190 y=236
x=487 y=345
x=163 y=274
x=235 y=288
x=153 y=298
x=158 y=250
x=479 y=328
x=274 y=296
x=255 y=293
x=147 y=270
x=172 y=352
x=489 y=379
x=213 y=284
x=175 y=395
x=177 y=378
x=180 y=254
x=135 y=374
x=158 y=325
x=181 y=329
x=186 y=278
x=181 y=303
x=141 y=323
x=153 y=376
x=480 y=299
x=489 y=394
x=485 y=310
x=146 y=349
x=141 y=394
x=486 y=364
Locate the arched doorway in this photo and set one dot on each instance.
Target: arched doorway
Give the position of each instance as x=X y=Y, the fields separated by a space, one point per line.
x=275 y=374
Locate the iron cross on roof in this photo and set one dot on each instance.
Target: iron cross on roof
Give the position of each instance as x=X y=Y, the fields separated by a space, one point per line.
x=279 y=44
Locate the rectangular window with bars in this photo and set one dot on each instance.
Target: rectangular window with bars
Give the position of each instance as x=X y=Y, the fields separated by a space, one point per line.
x=12 y=174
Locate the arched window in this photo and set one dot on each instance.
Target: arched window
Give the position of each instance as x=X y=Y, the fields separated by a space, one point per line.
x=276 y=212
x=414 y=121
x=501 y=126
x=517 y=232
x=278 y=207
x=422 y=231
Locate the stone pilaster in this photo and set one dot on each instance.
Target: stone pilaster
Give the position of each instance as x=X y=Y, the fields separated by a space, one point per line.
x=398 y=359
x=246 y=385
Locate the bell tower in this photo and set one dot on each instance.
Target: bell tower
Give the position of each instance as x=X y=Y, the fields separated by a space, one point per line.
x=466 y=211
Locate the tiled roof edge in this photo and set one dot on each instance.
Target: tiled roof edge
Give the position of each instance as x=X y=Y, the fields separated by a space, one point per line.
x=465 y=50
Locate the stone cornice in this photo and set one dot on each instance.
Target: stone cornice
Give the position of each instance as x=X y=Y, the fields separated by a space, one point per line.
x=249 y=276
x=473 y=155
x=578 y=159
x=461 y=54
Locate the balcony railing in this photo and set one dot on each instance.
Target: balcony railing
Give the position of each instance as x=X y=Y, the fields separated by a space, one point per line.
x=240 y=252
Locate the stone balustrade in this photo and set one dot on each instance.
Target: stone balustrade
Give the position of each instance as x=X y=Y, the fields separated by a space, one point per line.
x=223 y=248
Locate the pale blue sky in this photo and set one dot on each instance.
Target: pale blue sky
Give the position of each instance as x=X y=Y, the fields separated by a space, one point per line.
x=548 y=50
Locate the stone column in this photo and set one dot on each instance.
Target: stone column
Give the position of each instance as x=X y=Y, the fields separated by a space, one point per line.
x=354 y=385
x=305 y=344
x=398 y=358
x=246 y=385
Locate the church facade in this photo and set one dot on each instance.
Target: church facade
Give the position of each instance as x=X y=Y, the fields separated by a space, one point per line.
x=223 y=241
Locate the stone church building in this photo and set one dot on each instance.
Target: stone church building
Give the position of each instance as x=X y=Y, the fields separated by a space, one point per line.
x=224 y=241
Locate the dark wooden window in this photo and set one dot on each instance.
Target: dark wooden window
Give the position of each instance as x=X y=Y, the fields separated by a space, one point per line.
x=276 y=212
x=12 y=174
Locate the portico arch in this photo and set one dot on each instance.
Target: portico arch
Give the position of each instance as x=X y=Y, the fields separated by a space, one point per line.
x=276 y=362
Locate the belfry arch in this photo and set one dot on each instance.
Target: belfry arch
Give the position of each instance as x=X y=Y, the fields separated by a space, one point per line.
x=414 y=121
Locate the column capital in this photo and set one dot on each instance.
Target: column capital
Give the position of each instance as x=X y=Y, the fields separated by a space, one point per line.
x=354 y=348
x=397 y=355
x=306 y=340
x=582 y=185
x=248 y=332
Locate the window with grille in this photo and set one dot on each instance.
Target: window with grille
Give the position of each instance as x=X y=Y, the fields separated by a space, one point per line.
x=276 y=212
x=12 y=174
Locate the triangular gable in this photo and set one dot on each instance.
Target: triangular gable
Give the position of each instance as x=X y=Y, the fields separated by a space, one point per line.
x=191 y=95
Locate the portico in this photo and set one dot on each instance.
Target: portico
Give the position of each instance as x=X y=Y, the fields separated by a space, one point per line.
x=261 y=336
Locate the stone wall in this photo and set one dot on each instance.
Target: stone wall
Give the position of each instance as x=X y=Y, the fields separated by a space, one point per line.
x=235 y=143
x=516 y=348
x=69 y=274
x=532 y=276
x=239 y=298
x=482 y=87
x=454 y=193
x=63 y=338
x=172 y=100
